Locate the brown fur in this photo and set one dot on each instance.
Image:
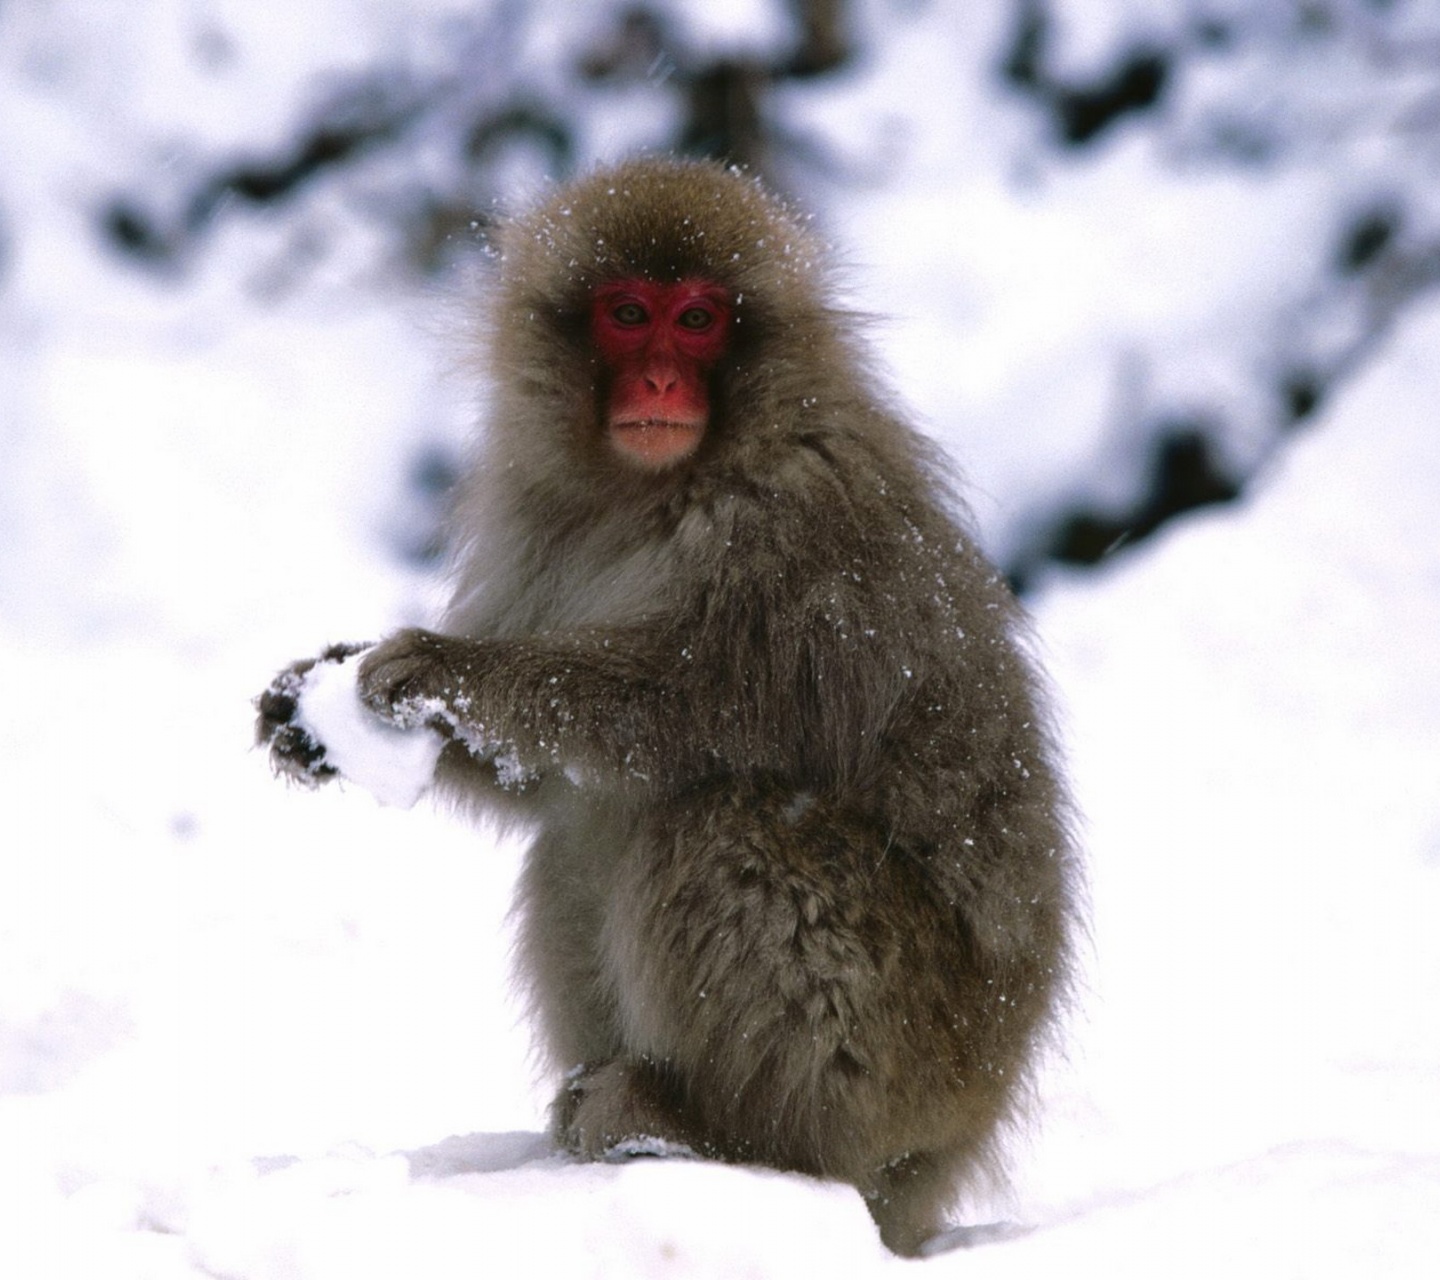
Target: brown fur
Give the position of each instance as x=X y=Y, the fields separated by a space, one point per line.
x=801 y=888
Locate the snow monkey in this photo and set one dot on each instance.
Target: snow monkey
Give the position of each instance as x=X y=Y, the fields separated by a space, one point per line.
x=801 y=888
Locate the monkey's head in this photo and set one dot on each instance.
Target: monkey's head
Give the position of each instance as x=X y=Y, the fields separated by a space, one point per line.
x=639 y=307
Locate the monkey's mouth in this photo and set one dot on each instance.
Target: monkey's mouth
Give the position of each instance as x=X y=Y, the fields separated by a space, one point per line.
x=657 y=442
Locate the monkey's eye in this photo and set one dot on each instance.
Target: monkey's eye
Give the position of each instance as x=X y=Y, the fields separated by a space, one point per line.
x=696 y=318
x=629 y=313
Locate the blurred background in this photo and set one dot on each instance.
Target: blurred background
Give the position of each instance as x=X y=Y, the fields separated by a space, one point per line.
x=1160 y=274
x=1125 y=249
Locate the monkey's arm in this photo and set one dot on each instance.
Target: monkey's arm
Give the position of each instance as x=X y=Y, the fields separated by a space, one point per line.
x=592 y=703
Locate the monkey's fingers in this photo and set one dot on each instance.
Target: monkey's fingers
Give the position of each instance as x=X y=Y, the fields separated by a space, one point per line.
x=294 y=753
x=278 y=704
x=276 y=707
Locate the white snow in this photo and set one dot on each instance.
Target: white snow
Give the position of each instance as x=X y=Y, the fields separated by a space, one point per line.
x=262 y=1033
x=394 y=765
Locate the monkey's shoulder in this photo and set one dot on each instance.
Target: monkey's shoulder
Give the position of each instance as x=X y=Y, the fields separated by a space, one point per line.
x=868 y=541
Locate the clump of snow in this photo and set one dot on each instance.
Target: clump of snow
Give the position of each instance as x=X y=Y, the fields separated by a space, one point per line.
x=395 y=765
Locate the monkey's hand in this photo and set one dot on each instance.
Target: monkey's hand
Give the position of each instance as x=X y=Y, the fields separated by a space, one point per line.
x=294 y=751
x=418 y=678
x=429 y=683
x=317 y=727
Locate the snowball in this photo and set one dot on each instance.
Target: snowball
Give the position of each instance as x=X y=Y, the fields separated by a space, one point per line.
x=394 y=765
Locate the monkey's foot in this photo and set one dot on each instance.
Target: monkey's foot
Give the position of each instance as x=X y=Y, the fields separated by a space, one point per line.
x=617 y=1111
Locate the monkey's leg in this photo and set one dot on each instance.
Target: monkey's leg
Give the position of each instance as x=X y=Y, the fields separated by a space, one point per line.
x=560 y=906
x=808 y=991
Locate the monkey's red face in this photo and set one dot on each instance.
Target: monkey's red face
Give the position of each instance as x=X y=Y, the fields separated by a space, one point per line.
x=659 y=343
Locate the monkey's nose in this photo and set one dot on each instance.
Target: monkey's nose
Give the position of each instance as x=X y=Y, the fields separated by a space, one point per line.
x=661 y=379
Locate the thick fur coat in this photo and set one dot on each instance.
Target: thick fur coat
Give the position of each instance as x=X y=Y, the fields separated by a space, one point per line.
x=801 y=890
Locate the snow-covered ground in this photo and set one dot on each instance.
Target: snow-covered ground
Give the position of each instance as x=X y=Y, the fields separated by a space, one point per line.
x=264 y=1034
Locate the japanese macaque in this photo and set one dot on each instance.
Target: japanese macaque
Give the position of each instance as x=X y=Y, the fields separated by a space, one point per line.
x=801 y=889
